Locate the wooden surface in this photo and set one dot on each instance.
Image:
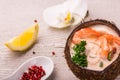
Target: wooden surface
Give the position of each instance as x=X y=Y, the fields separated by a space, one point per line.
x=16 y=15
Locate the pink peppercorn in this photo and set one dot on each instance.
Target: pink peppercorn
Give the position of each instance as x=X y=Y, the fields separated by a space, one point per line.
x=34 y=73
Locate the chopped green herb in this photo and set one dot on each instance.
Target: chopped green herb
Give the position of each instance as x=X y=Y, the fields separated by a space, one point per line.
x=80 y=58
x=109 y=56
x=78 y=48
x=101 y=64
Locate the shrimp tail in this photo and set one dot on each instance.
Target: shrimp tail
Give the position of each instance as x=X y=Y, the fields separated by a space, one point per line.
x=117 y=40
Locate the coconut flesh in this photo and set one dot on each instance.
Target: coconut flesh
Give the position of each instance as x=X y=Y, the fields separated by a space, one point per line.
x=55 y=16
x=92 y=48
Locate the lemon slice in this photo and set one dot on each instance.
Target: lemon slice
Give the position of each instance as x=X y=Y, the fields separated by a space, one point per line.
x=25 y=40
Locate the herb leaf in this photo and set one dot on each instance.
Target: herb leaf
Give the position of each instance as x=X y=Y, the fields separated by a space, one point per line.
x=101 y=64
x=78 y=48
x=80 y=58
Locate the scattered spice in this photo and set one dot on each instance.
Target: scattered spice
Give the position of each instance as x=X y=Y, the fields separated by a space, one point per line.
x=53 y=53
x=35 y=21
x=33 y=52
x=34 y=73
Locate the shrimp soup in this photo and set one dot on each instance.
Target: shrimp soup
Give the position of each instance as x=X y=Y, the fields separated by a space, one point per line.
x=95 y=47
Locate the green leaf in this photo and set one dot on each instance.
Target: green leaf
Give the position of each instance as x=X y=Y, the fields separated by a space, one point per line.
x=80 y=58
x=101 y=64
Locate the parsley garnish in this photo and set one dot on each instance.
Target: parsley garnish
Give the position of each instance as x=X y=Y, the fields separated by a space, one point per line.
x=80 y=58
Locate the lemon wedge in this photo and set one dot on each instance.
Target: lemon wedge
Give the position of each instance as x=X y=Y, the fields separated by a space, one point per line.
x=25 y=40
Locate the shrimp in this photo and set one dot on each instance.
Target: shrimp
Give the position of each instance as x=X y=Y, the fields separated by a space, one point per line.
x=106 y=41
x=85 y=33
x=106 y=44
x=112 y=39
x=105 y=47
